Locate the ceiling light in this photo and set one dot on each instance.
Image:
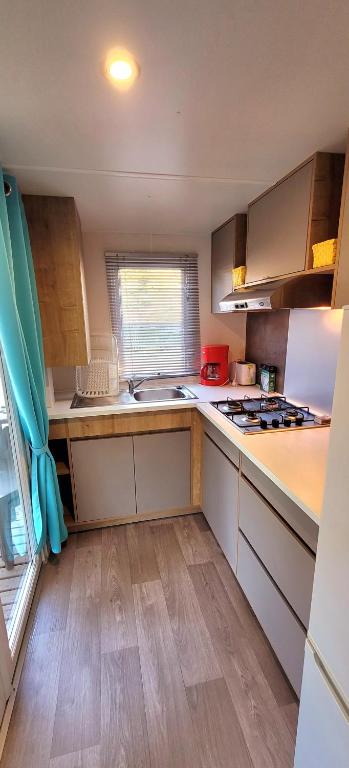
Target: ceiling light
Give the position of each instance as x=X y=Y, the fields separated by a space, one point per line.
x=121 y=68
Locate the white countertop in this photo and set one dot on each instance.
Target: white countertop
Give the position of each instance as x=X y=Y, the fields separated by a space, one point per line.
x=295 y=460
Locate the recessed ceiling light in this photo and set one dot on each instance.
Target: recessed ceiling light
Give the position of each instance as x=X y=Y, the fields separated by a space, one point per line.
x=121 y=68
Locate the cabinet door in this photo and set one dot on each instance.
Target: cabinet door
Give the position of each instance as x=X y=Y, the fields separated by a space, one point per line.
x=103 y=475
x=220 y=493
x=162 y=471
x=228 y=250
x=278 y=227
x=55 y=238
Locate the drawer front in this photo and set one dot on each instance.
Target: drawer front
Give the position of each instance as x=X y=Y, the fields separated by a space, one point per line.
x=220 y=498
x=294 y=516
x=283 y=630
x=288 y=561
x=230 y=450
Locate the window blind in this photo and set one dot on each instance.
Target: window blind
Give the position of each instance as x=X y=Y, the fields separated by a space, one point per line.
x=154 y=305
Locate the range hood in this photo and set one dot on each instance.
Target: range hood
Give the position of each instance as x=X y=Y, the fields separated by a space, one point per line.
x=298 y=292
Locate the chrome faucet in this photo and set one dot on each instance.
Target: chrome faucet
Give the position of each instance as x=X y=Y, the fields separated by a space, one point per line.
x=133 y=383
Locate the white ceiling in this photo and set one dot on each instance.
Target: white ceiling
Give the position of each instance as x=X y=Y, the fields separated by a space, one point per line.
x=232 y=94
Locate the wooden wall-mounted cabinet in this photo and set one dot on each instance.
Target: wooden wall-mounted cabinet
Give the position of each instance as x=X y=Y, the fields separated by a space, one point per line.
x=54 y=230
x=340 y=295
x=286 y=220
x=228 y=250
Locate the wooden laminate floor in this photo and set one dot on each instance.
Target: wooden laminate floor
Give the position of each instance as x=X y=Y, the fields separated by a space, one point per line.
x=144 y=654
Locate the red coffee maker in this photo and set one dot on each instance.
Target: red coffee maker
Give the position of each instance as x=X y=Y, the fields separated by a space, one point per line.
x=214 y=365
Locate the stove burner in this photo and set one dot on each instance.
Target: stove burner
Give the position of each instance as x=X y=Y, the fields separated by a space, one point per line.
x=291 y=412
x=270 y=405
x=251 y=417
x=231 y=406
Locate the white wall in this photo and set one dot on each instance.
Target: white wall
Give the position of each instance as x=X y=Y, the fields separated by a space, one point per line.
x=215 y=329
x=312 y=352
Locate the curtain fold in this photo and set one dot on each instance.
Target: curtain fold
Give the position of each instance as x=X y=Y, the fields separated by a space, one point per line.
x=21 y=341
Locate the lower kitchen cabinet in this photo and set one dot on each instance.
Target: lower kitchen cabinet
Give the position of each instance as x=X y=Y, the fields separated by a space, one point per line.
x=103 y=473
x=283 y=630
x=220 y=498
x=162 y=471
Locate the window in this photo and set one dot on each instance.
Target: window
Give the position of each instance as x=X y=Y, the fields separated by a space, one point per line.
x=154 y=304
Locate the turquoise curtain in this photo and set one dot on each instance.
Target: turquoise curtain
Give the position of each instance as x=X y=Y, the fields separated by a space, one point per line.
x=21 y=341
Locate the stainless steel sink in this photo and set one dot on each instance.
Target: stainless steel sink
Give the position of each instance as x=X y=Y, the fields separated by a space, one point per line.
x=163 y=393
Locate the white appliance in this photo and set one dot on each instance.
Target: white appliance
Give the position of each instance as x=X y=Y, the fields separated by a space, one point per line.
x=323 y=727
x=245 y=373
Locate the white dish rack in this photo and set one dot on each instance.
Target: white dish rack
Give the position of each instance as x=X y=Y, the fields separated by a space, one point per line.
x=100 y=377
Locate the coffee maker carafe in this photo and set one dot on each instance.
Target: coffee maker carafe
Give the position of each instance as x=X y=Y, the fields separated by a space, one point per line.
x=214 y=365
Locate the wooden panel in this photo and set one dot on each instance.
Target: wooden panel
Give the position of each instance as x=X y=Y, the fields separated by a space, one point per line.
x=220 y=498
x=124 y=740
x=171 y=740
x=326 y=200
x=86 y=581
x=162 y=470
x=306 y=528
x=228 y=250
x=340 y=296
x=278 y=227
x=118 y=628
x=281 y=627
x=77 y=719
x=141 y=553
x=196 y=655
x=128 y=423
x=103 y=477
x=265 y=731
x=218 y=731
x=288 y=561
x=30 y=730
x=56 y=246
x=266 y=340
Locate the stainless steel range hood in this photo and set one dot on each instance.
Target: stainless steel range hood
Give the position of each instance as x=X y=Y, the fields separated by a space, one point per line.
x=298 y=292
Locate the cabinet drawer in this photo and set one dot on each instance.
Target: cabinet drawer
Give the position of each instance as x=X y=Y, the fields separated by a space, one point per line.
x=283 y=630
x=230 y=450
x=219 y=502
x=294 y=516
x=288 y=561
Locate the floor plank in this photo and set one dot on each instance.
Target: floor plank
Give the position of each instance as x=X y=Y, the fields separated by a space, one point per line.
x=118 y=626
x=218 y=732
x=78 y=711
x=171 y=738
x=141 y=552
x=87 y=573
x=54 y=585
x=28 y=742
x=266 y=733
x=191 y=541
x=124 y=736
x=87 y=758
x=256 y=637
x=91 y=538
x=195 y=650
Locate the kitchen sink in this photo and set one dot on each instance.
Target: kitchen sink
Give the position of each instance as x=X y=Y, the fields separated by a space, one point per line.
x=140 y=396
x=163 y=393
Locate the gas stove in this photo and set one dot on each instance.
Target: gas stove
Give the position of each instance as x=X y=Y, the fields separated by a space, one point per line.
x=253 y=415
